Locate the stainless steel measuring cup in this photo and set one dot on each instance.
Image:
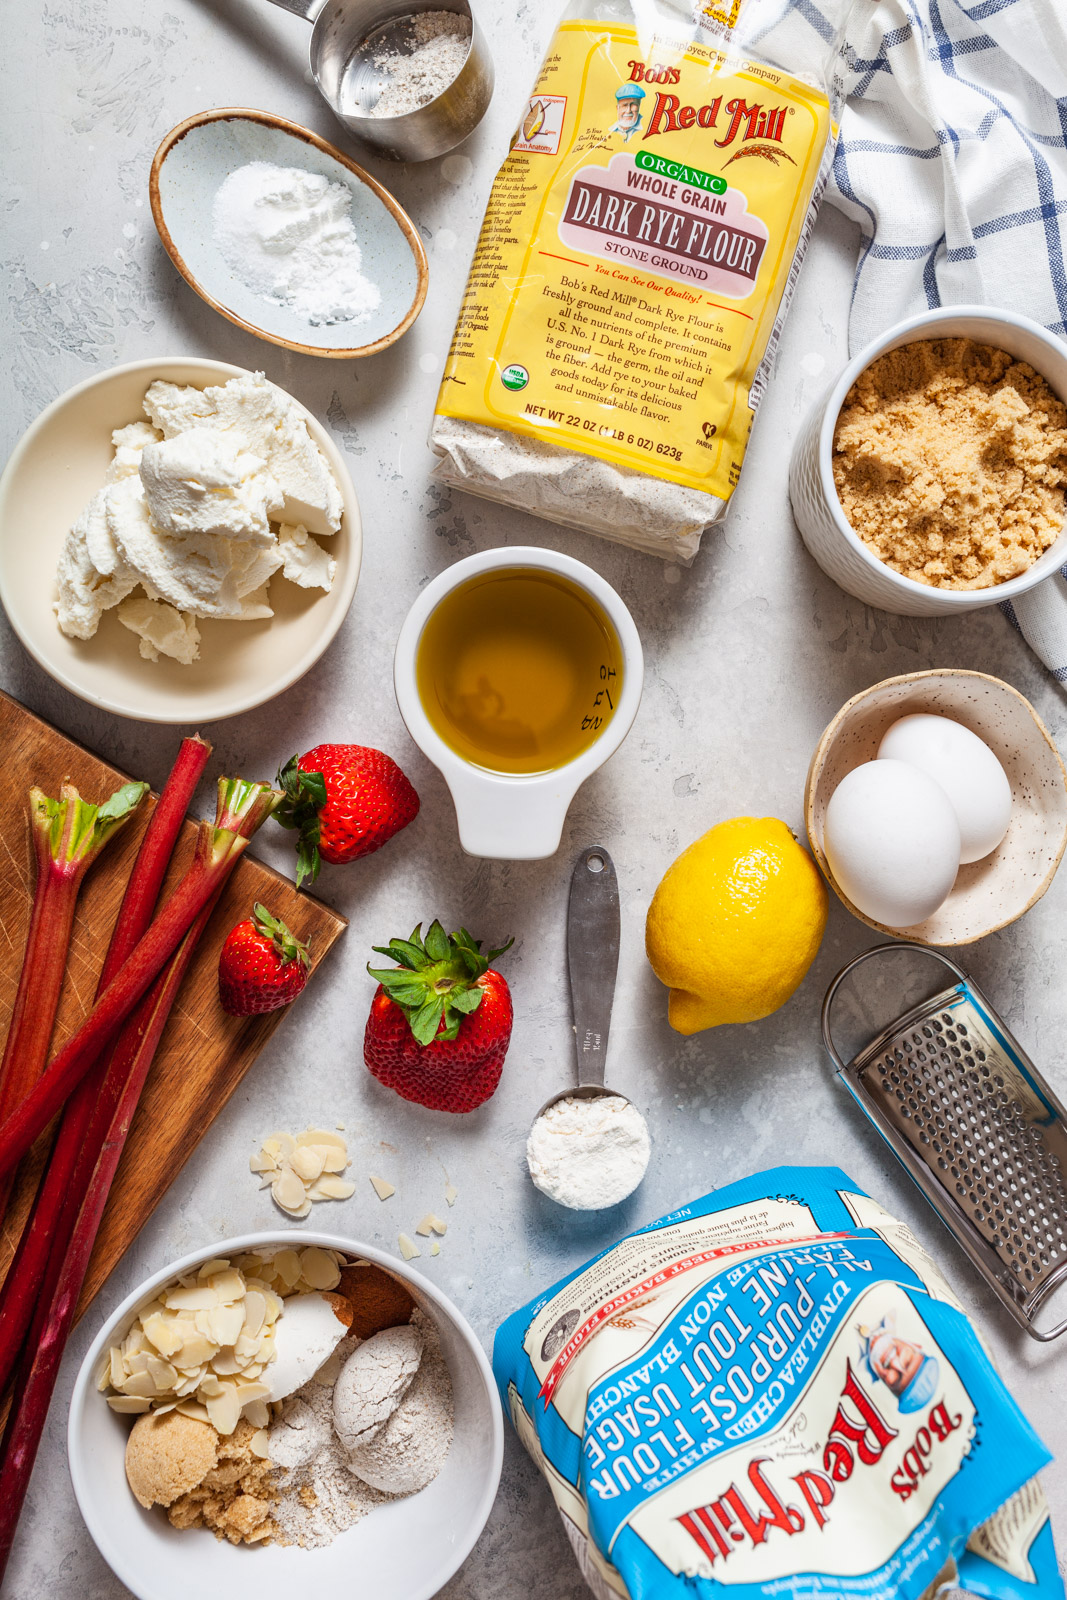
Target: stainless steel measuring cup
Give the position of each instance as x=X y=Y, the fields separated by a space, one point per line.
x=346 y=36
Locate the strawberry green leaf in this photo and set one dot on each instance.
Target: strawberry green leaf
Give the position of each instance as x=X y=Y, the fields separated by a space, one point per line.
x=436 y=982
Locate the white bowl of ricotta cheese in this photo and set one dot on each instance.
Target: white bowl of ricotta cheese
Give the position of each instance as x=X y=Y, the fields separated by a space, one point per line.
x=61 y=463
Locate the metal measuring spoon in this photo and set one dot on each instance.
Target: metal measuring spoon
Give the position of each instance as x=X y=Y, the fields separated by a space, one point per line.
x=592 y=965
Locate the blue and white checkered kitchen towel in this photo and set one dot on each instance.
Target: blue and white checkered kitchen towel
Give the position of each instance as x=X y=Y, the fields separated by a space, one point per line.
x=953 y=160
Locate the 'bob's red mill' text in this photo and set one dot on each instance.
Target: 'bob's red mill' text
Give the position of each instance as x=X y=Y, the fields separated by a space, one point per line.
x=670 y=116
x=858 y=1433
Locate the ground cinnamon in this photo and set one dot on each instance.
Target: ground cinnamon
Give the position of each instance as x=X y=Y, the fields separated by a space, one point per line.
x=378 y=1300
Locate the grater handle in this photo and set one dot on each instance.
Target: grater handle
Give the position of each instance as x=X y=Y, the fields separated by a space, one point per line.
x=857 y=961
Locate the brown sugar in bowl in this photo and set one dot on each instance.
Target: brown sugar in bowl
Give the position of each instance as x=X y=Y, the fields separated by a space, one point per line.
x=987 y=894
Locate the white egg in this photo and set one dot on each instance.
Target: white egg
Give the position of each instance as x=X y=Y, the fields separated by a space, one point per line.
x=966 y=769
x=305 y=1335
x=892 y=841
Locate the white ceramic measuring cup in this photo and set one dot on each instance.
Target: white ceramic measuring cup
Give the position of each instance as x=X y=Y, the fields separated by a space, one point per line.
x=825 y=529
x=502 y=815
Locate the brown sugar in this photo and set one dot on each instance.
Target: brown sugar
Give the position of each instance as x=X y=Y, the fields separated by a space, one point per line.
x=378 y=1300
x=234 y=1499
x=950 y=461
x=168 y=1455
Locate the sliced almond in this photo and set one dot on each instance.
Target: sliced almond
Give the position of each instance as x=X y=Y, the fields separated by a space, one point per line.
x=195 y=1350
x=164 y=1376
x=193 y=1408
x=331 y=1187
x=255 y=1310
x=435 y=1249
x=199 y=1298
x=307 y=1162
x=227 y=1323
x=209 y=1268
x=319 y=1269
x=140 y=1383
x=128 y=1404
x=451 y=1193
x=274 y=1304
x=224 y=1410
x=227 y=1363
x=258 y=1444
x=408 y=1248
x=334 y=1160
x=280 y=1145
x=382 y=1187
x=438 y=1225
x=118 y=1370
x=262 y=1163
x=257 y=1412
x=229 y=1285
x=320 y=1136
x=209 y=1388
x=288 y=1191
x=247 y=1392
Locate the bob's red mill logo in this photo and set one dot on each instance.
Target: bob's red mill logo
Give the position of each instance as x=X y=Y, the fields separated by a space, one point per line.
x=669 y=115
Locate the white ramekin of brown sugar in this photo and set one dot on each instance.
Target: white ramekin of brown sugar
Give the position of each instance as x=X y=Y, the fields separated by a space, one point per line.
x=837 y=547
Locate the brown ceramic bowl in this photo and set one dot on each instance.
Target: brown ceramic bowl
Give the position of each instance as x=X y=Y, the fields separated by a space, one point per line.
x=987 y=894
x=190 y=166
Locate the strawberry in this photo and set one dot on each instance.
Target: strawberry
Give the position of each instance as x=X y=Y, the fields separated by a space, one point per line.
x=346 y=800
x=262 y=966
x=440 y=1021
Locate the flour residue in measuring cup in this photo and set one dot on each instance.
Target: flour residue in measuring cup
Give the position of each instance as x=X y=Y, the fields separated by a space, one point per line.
x=587 y=1154
x=409 y=63
x=287 y=234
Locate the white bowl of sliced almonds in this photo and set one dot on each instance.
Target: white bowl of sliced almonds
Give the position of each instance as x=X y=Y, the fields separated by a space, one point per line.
x=199 y=1383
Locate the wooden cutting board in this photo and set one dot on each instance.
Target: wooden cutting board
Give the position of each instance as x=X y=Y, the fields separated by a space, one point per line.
x=203 y=1054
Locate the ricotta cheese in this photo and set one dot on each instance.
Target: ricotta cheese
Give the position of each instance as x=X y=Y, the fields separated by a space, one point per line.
x=161 y=629
x=206 y=482
x=304 y=561
x=201 y=506
x=267 y=422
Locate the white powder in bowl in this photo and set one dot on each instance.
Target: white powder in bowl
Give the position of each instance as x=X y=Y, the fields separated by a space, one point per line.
x=588 y=1153
x=287 y=234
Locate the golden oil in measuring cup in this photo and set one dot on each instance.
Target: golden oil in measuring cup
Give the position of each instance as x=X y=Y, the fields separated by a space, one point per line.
x=519 y=670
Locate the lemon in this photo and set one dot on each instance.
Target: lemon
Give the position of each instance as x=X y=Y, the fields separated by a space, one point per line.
x=735 y=924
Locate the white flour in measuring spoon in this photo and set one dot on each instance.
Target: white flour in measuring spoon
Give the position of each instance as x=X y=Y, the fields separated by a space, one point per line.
x=587 y=1154
x=287 y=235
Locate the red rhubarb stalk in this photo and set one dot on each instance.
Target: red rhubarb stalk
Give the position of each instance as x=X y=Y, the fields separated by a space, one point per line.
x=70 y=1164
x=68 y=834
x=54 y=1316
x=217 y=852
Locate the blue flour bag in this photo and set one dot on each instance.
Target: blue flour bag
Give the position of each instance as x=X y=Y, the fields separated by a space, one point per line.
x=774 y=1392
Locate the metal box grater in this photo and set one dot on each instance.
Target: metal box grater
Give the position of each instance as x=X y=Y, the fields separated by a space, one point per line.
x=968 y=1114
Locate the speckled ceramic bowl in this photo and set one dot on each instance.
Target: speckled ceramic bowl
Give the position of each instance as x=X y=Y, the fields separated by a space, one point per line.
x=405 y=1550
x=987 y=894
x=189 y=167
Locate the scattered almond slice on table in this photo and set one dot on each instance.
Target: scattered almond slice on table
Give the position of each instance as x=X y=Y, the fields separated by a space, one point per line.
x=382 y=1187
x=431 y=1224
x=408 y=1248
x=302 y=1168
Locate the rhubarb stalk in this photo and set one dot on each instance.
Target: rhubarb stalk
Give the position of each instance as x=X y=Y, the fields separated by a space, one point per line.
x=217 y=853
x=68 y=834
x=54 y=1317
x=70 y=1164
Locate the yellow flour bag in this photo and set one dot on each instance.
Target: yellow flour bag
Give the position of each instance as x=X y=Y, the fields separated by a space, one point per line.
x=637 y=256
